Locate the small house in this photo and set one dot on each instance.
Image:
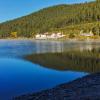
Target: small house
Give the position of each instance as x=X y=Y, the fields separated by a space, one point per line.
x=86 y=34
x=41 y=36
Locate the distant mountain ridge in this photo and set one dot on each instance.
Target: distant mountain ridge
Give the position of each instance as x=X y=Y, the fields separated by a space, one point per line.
x=53 y=19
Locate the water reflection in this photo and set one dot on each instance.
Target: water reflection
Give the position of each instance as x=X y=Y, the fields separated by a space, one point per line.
x=15 y=48
x=75 y=60
x=87 y=47
x=49 y=46
x=19 y=77
x=20 y=48
x=63 y=46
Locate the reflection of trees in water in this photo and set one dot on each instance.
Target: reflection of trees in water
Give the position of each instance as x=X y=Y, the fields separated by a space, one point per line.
x=44 y=47
x=61 y=46
x=87 y=47
x=87 y=61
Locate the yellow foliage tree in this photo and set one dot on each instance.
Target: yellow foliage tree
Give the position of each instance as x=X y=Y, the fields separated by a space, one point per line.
x=14 y=34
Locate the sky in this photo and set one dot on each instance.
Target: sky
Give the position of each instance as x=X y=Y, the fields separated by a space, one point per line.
x=11 y=9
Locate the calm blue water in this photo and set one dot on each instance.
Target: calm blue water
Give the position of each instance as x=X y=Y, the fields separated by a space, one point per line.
x=18 y=76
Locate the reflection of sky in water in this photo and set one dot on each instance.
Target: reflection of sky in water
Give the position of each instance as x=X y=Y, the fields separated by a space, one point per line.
x=13 y=48
x=10 y=48
x=20 y=77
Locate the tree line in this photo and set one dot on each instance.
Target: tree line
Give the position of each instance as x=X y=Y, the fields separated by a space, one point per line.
x=54 y=19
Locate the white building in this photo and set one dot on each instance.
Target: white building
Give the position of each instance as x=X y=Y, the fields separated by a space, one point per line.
x=86 y=34
x=40 y=36
x=60 y=35
x=47 y=36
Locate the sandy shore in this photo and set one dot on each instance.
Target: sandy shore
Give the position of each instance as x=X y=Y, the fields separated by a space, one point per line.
x=86 y=88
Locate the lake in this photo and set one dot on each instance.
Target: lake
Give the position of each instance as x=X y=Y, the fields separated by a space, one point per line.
x=28 y=66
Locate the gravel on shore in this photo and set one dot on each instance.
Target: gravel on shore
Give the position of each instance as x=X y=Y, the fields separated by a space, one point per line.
x=86 y=88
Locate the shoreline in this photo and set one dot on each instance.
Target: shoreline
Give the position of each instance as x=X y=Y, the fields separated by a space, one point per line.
x=68 y=39
x=85 y=88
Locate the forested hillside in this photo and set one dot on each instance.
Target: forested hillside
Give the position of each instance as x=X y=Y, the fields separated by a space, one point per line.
x=65 y=18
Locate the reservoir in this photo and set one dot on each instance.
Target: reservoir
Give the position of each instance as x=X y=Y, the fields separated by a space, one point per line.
x=28 y=66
